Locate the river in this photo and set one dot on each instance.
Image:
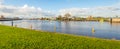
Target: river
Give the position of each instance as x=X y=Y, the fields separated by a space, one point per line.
x=104 y=30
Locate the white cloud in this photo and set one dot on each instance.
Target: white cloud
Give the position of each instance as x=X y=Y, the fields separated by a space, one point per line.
x=31 y=11
x=75 y=11
x=1 y=1
x=107 y=11
x=24 y=11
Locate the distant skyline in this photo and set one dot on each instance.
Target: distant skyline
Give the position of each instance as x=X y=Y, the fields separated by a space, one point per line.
x=48 y=8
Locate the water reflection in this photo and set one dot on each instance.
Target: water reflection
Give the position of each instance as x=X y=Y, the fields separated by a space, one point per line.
x=67 y=26
x=115 y=24
x=58 y=26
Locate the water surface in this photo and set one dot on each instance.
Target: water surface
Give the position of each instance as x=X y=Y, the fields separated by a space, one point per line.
x=102 y=30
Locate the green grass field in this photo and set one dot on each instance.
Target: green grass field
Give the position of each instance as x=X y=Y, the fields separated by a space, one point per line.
x=18 y=38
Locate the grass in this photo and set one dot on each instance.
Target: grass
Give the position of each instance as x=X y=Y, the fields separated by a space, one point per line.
x=18 y=38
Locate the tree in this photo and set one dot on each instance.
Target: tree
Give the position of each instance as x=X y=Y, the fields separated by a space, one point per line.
x=59 y=17
x=67 y=15
x=116 y=16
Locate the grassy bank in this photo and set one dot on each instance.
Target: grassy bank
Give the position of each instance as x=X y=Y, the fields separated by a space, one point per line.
x=17 y=38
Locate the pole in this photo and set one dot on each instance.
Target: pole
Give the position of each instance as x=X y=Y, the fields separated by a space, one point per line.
x=31 y=27
x=54 y=28
x=93 y=31
x=12 y=23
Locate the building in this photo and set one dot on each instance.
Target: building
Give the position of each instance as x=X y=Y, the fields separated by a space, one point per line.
x=89 y=17
x=2 y=17
x=115 y=20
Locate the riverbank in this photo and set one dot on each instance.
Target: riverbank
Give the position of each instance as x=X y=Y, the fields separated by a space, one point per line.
x=19 y=38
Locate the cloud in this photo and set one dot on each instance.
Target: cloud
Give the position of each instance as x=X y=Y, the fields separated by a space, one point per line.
x=107 y=11
x=31 y=11
x=104 y=11
x=74 y=11
x=1 y=1
x=24 y=11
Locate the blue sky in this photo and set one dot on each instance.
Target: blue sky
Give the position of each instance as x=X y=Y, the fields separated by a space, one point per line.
x=48 y=8
x=61 y=4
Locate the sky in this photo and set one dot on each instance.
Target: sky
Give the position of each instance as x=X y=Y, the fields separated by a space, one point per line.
x=53 y=8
